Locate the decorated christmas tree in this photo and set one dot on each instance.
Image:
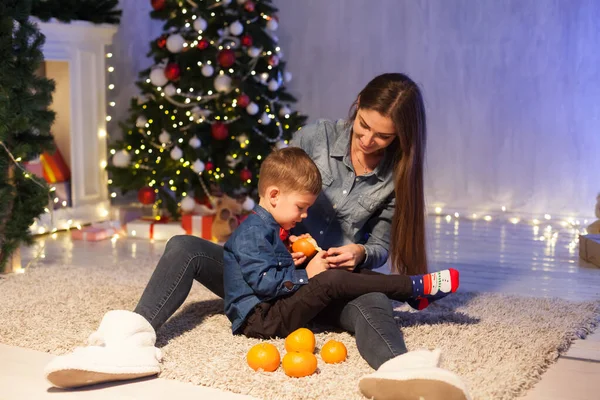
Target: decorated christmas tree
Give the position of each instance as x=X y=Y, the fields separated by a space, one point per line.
x=24 y=127
x=212 y=106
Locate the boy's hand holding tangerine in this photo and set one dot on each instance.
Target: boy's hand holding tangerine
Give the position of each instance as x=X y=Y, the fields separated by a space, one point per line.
x=302 y=248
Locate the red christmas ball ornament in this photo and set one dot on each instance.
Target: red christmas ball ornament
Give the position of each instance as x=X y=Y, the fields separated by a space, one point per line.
x=249 y=6
x=209 y=166
x=247 y=40
x=203 y=44
x=273 y=60
x=245 y=174
x=219 y=131
x=226 y=58
x=243 y=100
x=146 y=195
x=158 y=5
x=172 y=71
x=161 y=42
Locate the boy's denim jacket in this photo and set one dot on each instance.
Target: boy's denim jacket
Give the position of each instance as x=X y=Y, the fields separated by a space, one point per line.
x=258 y=267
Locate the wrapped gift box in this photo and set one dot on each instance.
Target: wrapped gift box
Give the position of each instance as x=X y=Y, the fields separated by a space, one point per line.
x=161 y=229
x=35 y=167
x=96 y=232
x=198 y=225
x=55 y=168
x=61 y=196
x=589 y=248
x=131 y=212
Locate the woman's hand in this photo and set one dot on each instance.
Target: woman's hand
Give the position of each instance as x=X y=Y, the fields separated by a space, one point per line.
x=346 y=257
x=299 y=258
x=317 y=265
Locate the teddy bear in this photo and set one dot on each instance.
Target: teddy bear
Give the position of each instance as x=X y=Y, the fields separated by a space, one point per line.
x=228 y=213
x=594 y=228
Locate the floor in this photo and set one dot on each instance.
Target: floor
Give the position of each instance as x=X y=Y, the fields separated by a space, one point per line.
x=500 y=255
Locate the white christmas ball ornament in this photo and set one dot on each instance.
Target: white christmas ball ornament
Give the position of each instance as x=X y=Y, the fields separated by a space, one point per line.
x=252 y=109
x=121 y=159
x=170 y=90
x=188 y=204
x=236 y=28
x=223 y=83
x=157 y=77
x=141 y=121
x=242 y=138
x=176 y=153
x=287 y=77
x=164 y=137
x=175 y=43
x=248 y=204
x=273 y=85
x=265 y=119
x=254 y=52
x=200 y=24
x=283 y=111
x=208 y=70
x=195 y=142
x=272 y=25
x=281 y=145
x=198 y=166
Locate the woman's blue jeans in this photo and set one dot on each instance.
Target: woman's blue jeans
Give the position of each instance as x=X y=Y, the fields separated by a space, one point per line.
x=188 y=258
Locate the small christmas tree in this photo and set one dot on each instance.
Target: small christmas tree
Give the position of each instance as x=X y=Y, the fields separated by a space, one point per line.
x=24 y=126
x=212 y=107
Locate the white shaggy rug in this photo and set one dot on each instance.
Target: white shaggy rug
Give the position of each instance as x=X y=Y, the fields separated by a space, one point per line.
x=499 y=344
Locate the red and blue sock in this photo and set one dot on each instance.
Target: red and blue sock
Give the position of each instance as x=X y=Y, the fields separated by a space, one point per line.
x=431 y=287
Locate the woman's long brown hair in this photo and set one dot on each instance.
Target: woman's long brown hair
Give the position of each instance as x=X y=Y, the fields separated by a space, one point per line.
x=396 y=96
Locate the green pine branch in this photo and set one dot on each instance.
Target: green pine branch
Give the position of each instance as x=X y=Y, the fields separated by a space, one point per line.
x=95 y=11
x=25 y=122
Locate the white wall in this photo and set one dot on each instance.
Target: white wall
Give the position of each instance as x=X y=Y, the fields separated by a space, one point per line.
x=512 y=87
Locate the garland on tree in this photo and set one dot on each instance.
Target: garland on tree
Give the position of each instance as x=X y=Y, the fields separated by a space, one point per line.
x=213 y=105
x=25 y=122
x=96 y=11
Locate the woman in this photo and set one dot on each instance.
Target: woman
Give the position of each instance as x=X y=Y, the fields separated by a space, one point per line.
x=371 y=208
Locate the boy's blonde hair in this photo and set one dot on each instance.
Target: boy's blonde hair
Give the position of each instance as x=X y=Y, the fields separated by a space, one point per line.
x=290 y=169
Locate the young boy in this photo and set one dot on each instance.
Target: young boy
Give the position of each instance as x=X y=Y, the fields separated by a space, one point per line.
x=265 y=294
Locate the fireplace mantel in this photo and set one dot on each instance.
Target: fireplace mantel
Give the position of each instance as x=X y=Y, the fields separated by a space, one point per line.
x=81 y=45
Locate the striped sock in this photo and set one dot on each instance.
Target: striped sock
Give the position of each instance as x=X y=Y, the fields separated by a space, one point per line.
x=431 y=287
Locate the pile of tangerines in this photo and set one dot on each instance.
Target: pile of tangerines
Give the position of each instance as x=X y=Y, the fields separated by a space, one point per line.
x=299 y=360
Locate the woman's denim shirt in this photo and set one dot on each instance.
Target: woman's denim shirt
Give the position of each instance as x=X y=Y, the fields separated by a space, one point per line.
x=350 y=208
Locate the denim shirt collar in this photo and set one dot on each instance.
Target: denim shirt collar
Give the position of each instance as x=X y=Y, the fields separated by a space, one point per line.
x=266 y=217
x=341 y=150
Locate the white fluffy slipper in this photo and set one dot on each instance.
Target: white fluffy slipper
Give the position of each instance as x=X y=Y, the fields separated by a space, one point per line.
x=414 y=384
x=119 y=327
x=414 y=376
x=94 y=364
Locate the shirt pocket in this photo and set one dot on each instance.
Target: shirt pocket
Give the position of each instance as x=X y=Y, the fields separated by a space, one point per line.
x=361 y=212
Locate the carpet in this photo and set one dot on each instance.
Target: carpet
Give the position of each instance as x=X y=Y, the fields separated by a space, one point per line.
x=499 y=344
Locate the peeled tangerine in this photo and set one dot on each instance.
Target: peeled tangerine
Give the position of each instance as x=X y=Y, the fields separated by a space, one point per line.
x=263 y=356
x=308 y=246
x=298 y=364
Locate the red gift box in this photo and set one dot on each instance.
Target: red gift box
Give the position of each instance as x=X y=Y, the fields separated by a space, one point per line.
x=55 y=168
x=198 y=225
